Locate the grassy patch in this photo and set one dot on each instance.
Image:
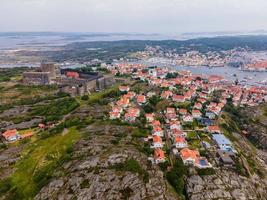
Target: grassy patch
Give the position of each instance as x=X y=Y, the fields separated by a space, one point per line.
x=194 y=143
x=7 y=74
x=56 y=109
x=139 y=133
x=85 y=184
x=38 y=162
x=191 y=135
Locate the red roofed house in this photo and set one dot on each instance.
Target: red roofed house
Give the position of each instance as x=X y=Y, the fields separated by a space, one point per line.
x=178 y=98
x=166 y=94
x=130 y=117
x=131 y=94
x=216 y=110
x=171 y=113
x=141 y=99
x=123 y=102
x=198 y=105
x=188 y=95
x=183 y=111
x=11 y=135
x=188 y=156
x=180 y=142
x=157 y=130
x=175 y=125
x=134 y=111
x=156 y=123
x=123 y=88
x=159 y=156
x=201 y=100
x=157 y=142
x=117 y=109
x=196 y=114
x=213 y=129
x=114 y=115
x=170 y=110
x=177 y=133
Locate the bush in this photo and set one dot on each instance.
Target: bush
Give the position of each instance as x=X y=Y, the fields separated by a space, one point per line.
x=146 y=149
x=85 y=98
x=85 y=184
x=5 y=186
x=176 y=175
x=148 y=108
x=205 y=172
x=139 y=133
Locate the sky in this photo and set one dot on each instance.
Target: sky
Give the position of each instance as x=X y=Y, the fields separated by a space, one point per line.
x=133 y=16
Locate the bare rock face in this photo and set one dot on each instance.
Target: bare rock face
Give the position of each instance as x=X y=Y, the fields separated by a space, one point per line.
x=225 y=185
x=92 y=173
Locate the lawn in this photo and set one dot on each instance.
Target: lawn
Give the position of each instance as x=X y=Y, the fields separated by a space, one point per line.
x=191 y=135
x=35 y=157
x=194 y=144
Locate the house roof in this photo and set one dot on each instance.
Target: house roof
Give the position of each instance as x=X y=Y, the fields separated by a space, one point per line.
x=157 y=139
x=221 y=139
x=187 y=153
x=157 y=128
x=158 y=153
x=177 y=132
x=10 y=133
x=180 y=140
x=170 y=110
x=124 y=88
x=141 y=98
x=183 y=111
x=196 y=112
x=178 y=97
x=214 y=128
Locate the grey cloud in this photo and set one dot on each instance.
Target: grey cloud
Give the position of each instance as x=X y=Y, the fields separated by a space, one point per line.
x=147 y=16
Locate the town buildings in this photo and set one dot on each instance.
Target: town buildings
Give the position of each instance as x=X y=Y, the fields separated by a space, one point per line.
x=194 y=103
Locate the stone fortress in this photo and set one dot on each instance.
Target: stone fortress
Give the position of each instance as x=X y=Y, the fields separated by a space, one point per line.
x=70 y=81
x=43 y=75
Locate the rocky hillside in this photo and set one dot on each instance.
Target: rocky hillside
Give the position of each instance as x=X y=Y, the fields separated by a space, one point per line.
x=247 y=180
x=107 y=164
x=257 y=125
x=226 y=184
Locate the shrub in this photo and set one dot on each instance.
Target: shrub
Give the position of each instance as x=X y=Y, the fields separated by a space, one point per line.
x=85 y=184
x=85 y=98
x=176 y=175
x=5 y=185
x=139 y=133
x=204 y=172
